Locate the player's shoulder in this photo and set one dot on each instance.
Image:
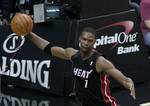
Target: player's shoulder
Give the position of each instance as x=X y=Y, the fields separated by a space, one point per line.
x=98 y=55
x=101 y=58
x=71 y=51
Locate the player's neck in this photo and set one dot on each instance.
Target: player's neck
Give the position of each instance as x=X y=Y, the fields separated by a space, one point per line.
x=87 y=54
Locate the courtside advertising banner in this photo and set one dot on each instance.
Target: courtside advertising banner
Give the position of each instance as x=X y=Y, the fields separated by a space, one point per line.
x=22 y=97
x=23 y=64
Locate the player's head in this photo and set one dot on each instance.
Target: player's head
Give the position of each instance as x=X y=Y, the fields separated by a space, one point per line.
x=87 y=39
x=88 y=30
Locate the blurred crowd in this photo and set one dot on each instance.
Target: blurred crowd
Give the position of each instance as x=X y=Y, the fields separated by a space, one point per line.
x=6 y=8
x=9 y=7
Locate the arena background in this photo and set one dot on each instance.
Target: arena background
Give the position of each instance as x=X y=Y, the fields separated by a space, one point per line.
x=25 y=66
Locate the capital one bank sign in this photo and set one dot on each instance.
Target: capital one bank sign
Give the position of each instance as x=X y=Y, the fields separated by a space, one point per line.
x=119 y=38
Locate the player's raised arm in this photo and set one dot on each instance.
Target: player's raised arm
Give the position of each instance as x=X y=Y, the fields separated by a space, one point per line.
x=22 y=25
x=48 y=47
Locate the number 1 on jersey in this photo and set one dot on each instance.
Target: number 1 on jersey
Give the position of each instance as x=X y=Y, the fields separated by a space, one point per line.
x=86 y=83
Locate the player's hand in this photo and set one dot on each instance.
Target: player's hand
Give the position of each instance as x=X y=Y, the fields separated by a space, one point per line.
x=132 y=88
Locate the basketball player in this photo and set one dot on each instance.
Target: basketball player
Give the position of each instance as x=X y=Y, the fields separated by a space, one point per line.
x=91 y=69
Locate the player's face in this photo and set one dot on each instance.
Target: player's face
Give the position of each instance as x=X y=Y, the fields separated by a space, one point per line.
x=87 y=41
